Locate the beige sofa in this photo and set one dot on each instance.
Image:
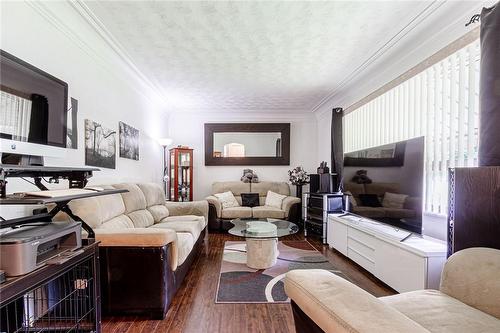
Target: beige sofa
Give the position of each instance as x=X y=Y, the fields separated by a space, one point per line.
x=147 y=245
x=468 y=300
x=219 y=216
x=412 y=207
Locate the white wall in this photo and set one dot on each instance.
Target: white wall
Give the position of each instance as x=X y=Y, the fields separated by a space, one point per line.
x=188 y=129
x=105 y=89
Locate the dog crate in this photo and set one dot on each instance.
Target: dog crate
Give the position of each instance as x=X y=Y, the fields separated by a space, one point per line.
x=54 y=298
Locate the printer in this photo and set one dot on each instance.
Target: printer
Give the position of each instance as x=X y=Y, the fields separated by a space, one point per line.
x=27 y=247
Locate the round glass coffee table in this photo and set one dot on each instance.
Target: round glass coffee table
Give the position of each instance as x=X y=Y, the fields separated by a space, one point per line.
x=261 y=236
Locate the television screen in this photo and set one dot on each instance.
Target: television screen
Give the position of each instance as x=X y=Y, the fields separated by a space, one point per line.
x=33 y=104
x=386 y=183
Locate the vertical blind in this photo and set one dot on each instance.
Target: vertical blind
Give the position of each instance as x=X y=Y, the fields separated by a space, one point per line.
x=440 y=103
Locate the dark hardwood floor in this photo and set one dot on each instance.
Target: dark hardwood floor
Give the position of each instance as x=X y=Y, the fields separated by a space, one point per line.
x=194 y=310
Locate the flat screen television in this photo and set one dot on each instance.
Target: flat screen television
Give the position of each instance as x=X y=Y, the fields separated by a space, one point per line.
x=33 y=106
x=386 y=183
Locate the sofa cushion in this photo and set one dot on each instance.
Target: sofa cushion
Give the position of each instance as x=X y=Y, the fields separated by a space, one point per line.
x=381 y=188
x=193 y=227
x=354 y=188
x=159 y=212
x=199 y=219
x=372 y=212
x=274 y=199
x=134 y=199
x=396 y=213
x=153 y=193
x=268 y=211
x=236 y=212
x=227 y=199
x=141 y=218
x=394 y=200
x=439 y=312
x=277 y=187
x=250 y=199
x=98 y=210
x=119 y=222
x=185 y=242
x=369 y=200
x=236 y=187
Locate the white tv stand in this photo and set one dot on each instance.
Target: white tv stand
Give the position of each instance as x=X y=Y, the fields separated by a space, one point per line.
x=413 y=264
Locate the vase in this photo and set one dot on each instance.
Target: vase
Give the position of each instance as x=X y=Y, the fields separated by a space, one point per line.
x=299 y=191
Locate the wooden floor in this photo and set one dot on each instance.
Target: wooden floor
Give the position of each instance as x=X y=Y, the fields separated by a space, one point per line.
x=194 y=310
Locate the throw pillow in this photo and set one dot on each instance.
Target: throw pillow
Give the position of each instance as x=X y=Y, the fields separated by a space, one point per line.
x=274 y=199
x=369 y=200
x=249 y=199
x=227 y=199
x=394 y=200
x=352 y=199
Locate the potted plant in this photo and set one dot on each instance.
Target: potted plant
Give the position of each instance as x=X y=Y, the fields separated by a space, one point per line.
x=298 y=177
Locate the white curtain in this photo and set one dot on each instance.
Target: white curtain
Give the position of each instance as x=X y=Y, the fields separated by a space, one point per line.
x=15 y=114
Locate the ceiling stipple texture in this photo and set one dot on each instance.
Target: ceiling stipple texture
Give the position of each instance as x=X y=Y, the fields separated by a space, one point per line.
x=271 y=56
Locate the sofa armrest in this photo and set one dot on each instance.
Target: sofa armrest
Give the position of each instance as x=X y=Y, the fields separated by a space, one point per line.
x=336 y=305
x=287 y=204
x=472 y=277
x=216 y=203
x=140 y=237
x=198 y=208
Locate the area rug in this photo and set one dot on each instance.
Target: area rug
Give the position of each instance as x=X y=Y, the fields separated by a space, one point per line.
x=241 y=284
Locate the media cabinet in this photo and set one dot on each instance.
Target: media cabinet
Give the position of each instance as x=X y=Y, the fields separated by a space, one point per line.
x=400 y=259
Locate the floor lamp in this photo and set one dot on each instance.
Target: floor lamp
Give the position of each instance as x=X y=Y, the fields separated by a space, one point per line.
x=165 y=142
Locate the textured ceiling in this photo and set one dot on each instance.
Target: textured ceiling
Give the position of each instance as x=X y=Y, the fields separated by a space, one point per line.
x=270 y=56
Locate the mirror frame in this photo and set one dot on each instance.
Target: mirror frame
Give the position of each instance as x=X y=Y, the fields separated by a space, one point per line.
x=212 y=128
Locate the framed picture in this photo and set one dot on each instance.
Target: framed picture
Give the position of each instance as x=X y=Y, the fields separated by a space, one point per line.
x=129 y=141
x=100 y=145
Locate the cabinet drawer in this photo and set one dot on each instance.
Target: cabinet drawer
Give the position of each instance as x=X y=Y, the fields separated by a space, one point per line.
x=362 y=238
x=360 y=258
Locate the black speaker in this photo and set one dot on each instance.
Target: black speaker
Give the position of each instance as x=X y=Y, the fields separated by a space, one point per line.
x=322 y=183
x=314 y=183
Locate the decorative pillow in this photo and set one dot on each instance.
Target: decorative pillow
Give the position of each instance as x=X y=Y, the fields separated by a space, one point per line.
x=227 y=199
x=352 y=199
x=394 y=200
x=274 y=199
x=249 y=199
x=369 y=200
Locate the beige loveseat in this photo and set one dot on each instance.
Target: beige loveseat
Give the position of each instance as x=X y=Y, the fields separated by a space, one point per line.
x=147 y=245
x=219 y=216
x=412 y=207
x=468 y=300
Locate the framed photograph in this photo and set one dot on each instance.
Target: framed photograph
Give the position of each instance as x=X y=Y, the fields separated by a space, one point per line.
x=100 y=145
x=129 y=141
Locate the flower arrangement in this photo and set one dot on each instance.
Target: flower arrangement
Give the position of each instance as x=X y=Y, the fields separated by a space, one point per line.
x=298 y=176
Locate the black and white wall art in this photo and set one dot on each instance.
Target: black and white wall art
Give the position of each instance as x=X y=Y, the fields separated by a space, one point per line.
x=100 y=145
x=129 y=141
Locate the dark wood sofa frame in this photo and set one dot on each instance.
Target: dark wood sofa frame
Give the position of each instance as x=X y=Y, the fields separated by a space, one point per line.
x=140 y=280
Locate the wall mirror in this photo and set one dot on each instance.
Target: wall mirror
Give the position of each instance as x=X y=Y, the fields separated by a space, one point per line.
x=247 y=144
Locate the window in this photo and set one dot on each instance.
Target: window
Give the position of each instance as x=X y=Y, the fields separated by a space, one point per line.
x=440 y=103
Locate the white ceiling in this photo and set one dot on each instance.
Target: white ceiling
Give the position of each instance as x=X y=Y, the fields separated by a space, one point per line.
x=266 y=56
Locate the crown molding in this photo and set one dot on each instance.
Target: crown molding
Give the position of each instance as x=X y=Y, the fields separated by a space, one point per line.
x=143 y=86
x=389 y=45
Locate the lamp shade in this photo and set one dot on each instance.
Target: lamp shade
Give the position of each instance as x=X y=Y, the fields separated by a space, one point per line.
x=165 y=142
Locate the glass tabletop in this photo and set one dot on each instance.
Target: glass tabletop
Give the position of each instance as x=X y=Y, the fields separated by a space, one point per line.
x=262 y=228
